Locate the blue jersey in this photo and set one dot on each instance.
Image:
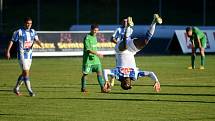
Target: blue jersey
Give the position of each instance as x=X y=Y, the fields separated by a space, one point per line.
x=120 y=33
x=132 y=73
x=25 y=40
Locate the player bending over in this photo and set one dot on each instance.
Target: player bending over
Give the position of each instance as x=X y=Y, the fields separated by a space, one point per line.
x=198 y=41
x=126 y=70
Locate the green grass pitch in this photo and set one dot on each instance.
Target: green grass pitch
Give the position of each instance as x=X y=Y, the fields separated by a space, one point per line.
x=185 y=94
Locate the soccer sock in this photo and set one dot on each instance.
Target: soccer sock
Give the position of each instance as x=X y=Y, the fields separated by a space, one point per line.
x=193 y=57
x=19 y=85
x=101 y=81
x=83 y=82
x=19 y=82
x=150 y=31
x=203 y=61
x=28 y=84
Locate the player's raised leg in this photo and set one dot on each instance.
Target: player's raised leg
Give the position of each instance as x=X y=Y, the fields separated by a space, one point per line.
x=141 y=43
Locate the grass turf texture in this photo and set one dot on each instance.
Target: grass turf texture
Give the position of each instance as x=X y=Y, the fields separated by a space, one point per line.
x=185 y=94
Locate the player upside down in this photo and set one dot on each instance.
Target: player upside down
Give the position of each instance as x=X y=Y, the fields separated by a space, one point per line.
x=126 y=70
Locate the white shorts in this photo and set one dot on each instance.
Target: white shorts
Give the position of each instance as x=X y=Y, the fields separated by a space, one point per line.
x=25 y=64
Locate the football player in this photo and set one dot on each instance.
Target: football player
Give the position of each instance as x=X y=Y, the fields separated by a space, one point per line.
x=126 y=69
x=25 y=38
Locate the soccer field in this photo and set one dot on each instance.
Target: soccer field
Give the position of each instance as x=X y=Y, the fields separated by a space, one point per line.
x=185 y=94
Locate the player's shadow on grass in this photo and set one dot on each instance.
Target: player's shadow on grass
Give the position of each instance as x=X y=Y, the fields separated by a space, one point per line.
x=166 y=94
x=146 y=85
x=180 y=85
x=5 y=90
x=123 y=99
x=4 y=114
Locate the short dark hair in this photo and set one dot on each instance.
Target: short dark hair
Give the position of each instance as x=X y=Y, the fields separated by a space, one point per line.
x=125 y=83
x=27 y=19
x=93 y=26
x=188 y=28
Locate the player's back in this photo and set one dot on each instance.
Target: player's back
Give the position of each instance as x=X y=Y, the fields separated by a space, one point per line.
x=198 y=32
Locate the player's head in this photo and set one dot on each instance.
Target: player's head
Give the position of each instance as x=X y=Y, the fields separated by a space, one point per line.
x=126 y=83
x=189 y=31
x=125 y=22
x=27 y=22
x=94 y=29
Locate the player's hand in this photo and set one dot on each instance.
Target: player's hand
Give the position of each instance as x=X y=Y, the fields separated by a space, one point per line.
x=107 y=85
x=8 y=55
x=157 y=86
x=100 y=55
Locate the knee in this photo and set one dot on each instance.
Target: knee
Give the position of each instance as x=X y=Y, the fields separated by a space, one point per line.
x=25 y=73
x=99 y=73
x=84 y=75
x=202 y=52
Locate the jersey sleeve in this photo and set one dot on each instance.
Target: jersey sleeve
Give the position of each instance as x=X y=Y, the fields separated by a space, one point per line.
x=15 y=36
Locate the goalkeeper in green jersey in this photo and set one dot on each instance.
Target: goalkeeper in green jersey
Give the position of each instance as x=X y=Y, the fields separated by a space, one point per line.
x=198 y=40
x=91 y=61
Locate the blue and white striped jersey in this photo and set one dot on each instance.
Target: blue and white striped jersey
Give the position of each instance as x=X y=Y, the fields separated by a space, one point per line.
x=119 y=33
x=25 y=40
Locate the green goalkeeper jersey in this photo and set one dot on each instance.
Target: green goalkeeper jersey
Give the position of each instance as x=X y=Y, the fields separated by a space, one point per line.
x=197 y=33
x=90 y=43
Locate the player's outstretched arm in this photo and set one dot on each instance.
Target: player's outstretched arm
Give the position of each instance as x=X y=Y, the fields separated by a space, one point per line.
x=106 y=73
x=152 y=76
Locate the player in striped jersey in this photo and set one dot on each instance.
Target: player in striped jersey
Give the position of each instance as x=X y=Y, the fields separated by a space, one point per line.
x=24 y=38
x=124 y=31
x=126 y=70
x=119 y=33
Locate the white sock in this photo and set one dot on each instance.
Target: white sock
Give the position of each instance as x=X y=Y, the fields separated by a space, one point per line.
x=18 y=83
x=28 y=84
x=151 y=29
